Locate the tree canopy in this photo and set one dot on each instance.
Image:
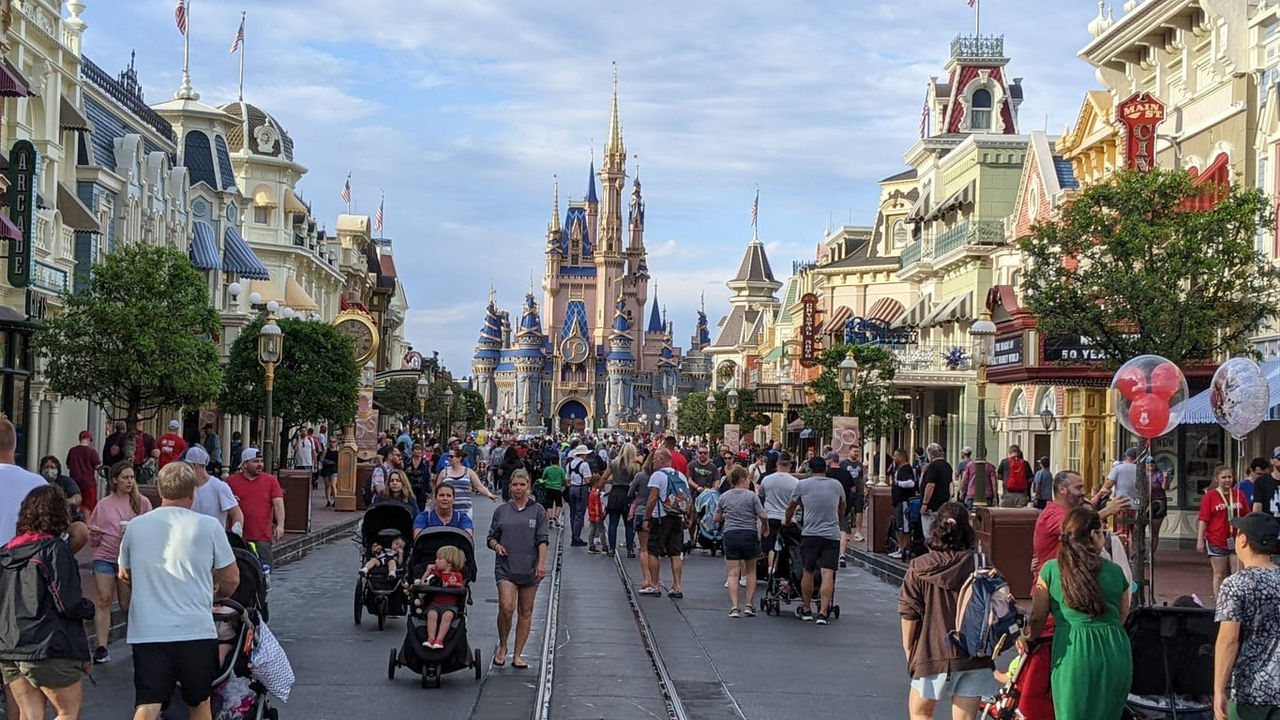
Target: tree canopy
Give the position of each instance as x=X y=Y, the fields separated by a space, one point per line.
x=398 y=399
x=1134 y=268
x=693 y=418
x=870 y=402
x=139 y=339
x=317 y=378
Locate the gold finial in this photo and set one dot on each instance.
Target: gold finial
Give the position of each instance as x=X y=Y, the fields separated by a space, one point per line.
x=493 y=293
x=615 y=127
x=555 y=206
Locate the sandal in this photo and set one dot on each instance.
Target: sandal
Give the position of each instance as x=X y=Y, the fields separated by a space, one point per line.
x=518 y=663
x=749 y=611
x=499 y=660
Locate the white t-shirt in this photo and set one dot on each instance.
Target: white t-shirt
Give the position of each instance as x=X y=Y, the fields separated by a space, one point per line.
x=1125 y=476
x=171 y=554
x=303 y=452
x=214 y=499
x=777 y=493
x=15 y=483
x=661 y=479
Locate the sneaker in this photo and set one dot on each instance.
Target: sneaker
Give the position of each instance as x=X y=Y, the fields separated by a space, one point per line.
x=100 y=655
x=649 y=590
x=742 y=582
x=844 y=563
x=749 y=611
x=896 y=554
x=804 y=614
x=593 y=551
x=821 y=619
x=675 y=594
x=858 y=537
x=735 y=613
x=577 y=543
x=631 y=553
x=726 y=584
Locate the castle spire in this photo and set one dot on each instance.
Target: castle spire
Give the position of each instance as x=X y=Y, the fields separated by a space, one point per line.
x=591 y=180
x=615 y=127
x=655 y=317
x=555 y=206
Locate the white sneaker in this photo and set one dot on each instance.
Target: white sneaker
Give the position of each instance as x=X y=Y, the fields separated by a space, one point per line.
x=857 y=537
x=896 y=554
x=726 y=584
x=742 y=582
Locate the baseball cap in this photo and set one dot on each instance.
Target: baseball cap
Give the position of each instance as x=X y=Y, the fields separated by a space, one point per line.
x=966 y=450
x=197 y=455
x=833 y=456
x=174 y=425
x=1275 y=452
x=249 y=454
x=1262 y=529
x=86 y=435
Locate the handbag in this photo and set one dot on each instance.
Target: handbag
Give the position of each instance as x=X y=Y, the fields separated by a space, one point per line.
x=1231 y=537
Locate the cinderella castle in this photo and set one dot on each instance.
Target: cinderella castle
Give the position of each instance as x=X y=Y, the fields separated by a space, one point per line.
x=582 y=360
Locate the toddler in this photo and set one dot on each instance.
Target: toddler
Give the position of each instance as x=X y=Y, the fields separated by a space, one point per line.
x=595 y=514
x=446 y=571
x=392 y=557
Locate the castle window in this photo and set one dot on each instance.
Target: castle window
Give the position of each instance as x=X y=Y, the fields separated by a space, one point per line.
x=980 y=109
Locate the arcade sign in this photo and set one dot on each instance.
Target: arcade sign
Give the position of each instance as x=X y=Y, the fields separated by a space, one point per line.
x=1140 y=114
x=24 y=163
x=809 y=330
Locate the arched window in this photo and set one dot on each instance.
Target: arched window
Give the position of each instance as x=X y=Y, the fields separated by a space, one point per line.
x=900 y=234
x=1015 y=278
x=1018 y=404
x=980 y=109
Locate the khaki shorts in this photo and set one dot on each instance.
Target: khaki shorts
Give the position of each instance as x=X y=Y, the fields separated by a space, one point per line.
x=48 y=673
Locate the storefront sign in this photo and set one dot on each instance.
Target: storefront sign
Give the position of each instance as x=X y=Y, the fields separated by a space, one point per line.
x=48 y=277
x=874 y=331
x=733 y=438
x=1074 y=349
x=1008 y=352
x=24 y=162
x=809 y=330
x=846 y=436
x=1141 y=114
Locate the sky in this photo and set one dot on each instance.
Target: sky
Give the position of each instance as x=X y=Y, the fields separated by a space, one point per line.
x=464 y=113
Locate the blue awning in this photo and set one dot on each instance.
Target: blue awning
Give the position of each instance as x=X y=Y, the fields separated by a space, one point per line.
x=239 y=258
x=1199 y=412
x=203 y=249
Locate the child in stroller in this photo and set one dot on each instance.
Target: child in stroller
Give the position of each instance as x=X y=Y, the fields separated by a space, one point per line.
x=441 y=607
x=707 y=533
x=391 y=557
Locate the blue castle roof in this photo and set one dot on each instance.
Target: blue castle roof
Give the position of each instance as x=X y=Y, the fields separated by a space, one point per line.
x=591 y=184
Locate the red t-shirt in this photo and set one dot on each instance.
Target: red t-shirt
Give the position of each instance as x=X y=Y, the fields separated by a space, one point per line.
x=171 y=447
x=679 y=462
x=1047 y=535
x=255 y=498
x=1213 y=510
x=82 y=460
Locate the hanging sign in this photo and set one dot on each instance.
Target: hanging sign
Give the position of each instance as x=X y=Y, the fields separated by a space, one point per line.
x=809 y=330
x=1140 y=114
x=24 y=162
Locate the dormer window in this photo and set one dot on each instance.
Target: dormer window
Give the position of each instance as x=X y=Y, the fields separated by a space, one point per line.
x=980 y=109
x=901 y=236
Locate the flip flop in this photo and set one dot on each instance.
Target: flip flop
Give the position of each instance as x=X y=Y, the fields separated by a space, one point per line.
x=518 y=663
x=499 y=660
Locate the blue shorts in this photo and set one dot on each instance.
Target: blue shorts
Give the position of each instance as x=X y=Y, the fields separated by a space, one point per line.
x=965 y=683
x=105 y=567
x=741 y=545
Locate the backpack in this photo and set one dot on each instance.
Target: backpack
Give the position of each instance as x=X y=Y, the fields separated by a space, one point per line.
x=596 y=463
x=1017 y=480
x=987 y=620
x=676 y=501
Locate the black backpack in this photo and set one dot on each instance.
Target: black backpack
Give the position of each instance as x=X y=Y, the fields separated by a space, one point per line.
x=595 y=462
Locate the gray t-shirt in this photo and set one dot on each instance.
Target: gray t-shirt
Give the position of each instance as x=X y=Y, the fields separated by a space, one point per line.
x=171 y=554
x=742 y=510
x=1125 y=476
x=777 y=489
x=520 y=532
x=214 y=499
x=820 y=496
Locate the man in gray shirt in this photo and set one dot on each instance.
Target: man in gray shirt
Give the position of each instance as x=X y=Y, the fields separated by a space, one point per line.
x=775 y=491
x=823 y=501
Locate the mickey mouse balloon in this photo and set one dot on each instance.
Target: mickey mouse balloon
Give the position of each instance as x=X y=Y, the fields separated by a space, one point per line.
x=1239 y=396
x=1150 y=396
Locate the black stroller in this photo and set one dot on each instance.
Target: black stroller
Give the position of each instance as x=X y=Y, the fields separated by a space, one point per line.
x=237 y=620
x=783 y=580
x=380 y=592
x=1172 y=663
x=455 y=654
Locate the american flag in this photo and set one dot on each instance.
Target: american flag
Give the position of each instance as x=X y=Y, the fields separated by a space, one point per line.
x=346 y=190
x=239 y=40
x=377 y=219
x=755 y=208
x=180 y=16
x=972 y=3
x=924 y=119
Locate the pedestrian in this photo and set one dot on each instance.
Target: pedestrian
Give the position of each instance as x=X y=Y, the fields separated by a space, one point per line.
x=214 y=497
x=262 y=502
x=1015 y=478
x=730 y=462
x=927 y=602
x=442 y=514
x=518 y=537
x=212 y=444
x=970 y=482
x=237 y=451
x=82 y=465
x=1258 y=468
x=621 y=472
x=595 y=516
x=418 y=471
x=837 y=472
x=113 y=446
x=935 y=486
x=512 y=460
x=678 y=461
x=822 y=500
x=1215 y=534
x=775 y=492
x=398 y=490
x=552 y=482
x=966 y=457
x=743 y=518
x=471 y=451
x=1087 y=596
x=1042 y=484
x=639 y=494
x=577 y=471
x=171 y=444
x=904 y=488
x=702 y=472
x=304 y=451
x=51 y=471
x=1122 y=481
x=464 y=481
x=15 y=483
x=1159 y=498
x=1266 y=492
x=329 y=471
x=106 y=530
x=667 y=509
x=178 y=563
x=858 y=496
x=44 y=648
x=1247 y=652
x=389 y=459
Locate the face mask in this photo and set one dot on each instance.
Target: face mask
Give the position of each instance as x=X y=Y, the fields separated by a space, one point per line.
x=50 y=473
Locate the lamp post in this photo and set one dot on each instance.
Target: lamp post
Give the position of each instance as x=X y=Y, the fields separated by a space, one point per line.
x=733 y=405
x=847 y=379
x=657 y=421
x=448 y=411
x=784 y=395
x=421 y=390
x=711 y=409
x=983 y=332
x=1046 y=419
x=270 y=350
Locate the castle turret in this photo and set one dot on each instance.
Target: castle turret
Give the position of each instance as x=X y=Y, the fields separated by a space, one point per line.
x=529 y=358
x=488 y=351
x=620 y=363
x=555 y=246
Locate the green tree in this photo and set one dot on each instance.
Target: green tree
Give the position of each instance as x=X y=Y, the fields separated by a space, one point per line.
x=317 y=378
x=1128 y=267
x=138 y=340
x=398 y=399
x=871 y=402
x=473 y=409
x=691 y=414
x=694 y=419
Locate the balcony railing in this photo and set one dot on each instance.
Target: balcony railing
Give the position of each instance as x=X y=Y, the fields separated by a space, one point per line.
x=971 y=46
x=910 y=253
x=967 y=233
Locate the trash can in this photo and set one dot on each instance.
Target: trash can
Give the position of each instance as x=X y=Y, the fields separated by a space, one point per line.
x=1006 y=536
x=364 y=473
x=879 y=517
x=150 y=492
x=296 y=485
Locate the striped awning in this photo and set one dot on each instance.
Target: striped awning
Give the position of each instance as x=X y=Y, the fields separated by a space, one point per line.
x=70 y=117
x=960 y=198
x=239 y=258
x=8 y=229
x=12 y=84
x=203 y=249
x=919 y=209
x=886 y=309
x=956 y=309
x=835 y=324
x=917 y=313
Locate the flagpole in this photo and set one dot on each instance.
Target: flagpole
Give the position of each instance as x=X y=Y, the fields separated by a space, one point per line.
x=977 y=15
x=184 y=92
x=242 y=14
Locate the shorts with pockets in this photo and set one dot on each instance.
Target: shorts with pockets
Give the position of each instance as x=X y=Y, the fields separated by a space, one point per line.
x=1215 y=551
x=964 y=683
x=666 y=536
x=159 y=667
x=552 y=498
x=105 y=567
x=741 y=545
x=53 y=673
x=819 y=553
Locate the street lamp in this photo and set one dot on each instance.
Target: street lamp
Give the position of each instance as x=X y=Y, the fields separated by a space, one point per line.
x=422 y=388
x=784 y=395
x=657 y=421
x=733 y=405
x=1046 y=419
x=848 y=379
x=270 y=350
x=993 y=420
x=448 y=411
x=983 y=332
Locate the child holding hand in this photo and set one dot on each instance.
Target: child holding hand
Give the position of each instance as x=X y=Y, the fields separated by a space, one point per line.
x=595 y=515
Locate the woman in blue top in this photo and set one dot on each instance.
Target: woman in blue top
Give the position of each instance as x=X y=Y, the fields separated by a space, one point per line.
x=398 y=490
x=442 y=514
x=464 y=481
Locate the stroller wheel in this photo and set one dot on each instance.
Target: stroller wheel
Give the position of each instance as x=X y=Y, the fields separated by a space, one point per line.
x=391 y=666
x=475 y=662
x=359 y=600
x=426 y=674
x=382 y=619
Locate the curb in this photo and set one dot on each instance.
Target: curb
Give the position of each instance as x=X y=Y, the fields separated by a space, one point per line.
x=884 y=568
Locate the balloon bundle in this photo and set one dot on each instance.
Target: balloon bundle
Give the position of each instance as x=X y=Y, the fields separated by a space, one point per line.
x=1152 y=396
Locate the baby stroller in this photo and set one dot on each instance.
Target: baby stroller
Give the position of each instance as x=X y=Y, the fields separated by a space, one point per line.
x=456 y=654
x=378 y=591
x=707 y=533
x=783 y=583
x=251 y=593
x=236 y=692
x=1172 y=662
x=916 y=547
x=1007 y=703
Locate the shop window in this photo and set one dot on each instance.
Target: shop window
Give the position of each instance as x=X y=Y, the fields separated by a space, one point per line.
x=980 y=109
x=260 y=214
x=1074 y=430
x=1202 y=447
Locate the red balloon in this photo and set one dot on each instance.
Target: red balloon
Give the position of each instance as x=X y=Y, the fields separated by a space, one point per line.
x=1149 y=415
x=1131 y=382
x=1166 y=380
